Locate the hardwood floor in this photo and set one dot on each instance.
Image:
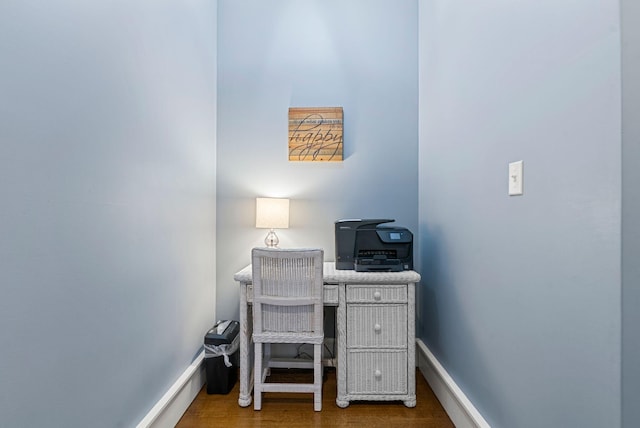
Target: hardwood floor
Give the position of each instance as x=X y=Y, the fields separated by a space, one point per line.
x=296 y=410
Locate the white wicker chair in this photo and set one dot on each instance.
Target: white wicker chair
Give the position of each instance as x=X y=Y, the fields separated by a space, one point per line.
x=287 y=308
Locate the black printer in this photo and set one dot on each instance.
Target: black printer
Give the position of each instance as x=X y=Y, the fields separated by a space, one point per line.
x=365 y=246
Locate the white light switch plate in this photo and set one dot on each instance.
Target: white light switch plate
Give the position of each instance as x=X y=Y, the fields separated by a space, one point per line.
x=515 y=178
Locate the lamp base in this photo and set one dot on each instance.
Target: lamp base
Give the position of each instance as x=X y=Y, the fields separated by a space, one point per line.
x=271 y=240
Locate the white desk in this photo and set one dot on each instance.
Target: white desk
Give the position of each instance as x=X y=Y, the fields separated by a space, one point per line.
x=375 y=332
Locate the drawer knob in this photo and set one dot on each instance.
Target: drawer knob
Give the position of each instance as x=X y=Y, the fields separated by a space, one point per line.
x=378 y=374
x=377 y=327
x=377 y=295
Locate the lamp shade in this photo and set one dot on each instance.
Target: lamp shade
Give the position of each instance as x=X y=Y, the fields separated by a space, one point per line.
x=272 y=213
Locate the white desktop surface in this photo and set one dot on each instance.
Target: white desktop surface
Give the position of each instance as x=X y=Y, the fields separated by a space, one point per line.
x=331 y=275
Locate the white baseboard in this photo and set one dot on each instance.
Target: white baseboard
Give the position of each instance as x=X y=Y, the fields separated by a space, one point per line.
x=460 y=410
x=168 y=411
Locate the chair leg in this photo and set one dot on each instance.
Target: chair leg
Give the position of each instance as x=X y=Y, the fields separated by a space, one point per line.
x=266 y=358
x=317 y=377
x=260 y=368
x=257 y=377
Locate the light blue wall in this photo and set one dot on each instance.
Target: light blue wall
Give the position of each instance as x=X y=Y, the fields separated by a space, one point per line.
x=521 y=295
x=360 y=55
x=107 y=215
x=630 y=14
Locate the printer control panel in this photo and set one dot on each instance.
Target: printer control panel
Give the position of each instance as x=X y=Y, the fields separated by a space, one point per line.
x=395 y=236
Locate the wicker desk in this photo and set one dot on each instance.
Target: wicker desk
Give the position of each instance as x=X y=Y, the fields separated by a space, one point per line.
x=375 y=331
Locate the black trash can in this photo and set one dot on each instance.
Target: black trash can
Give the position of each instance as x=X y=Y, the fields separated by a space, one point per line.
x=221 y=356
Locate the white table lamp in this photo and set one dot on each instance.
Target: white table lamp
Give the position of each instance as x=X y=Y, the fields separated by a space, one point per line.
x=272 y=213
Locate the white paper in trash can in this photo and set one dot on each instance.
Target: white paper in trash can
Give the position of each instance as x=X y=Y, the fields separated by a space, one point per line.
x=224 y=350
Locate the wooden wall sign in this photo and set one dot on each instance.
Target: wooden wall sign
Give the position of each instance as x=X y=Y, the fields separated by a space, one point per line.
x=315 y=134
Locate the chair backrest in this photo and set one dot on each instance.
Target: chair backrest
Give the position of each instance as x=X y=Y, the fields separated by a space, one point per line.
x=287 y=291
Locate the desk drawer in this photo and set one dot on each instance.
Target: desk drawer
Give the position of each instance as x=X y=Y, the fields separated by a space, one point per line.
x=377 y=372
x=377 y=293
x=377 y=326
x=330 y=294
